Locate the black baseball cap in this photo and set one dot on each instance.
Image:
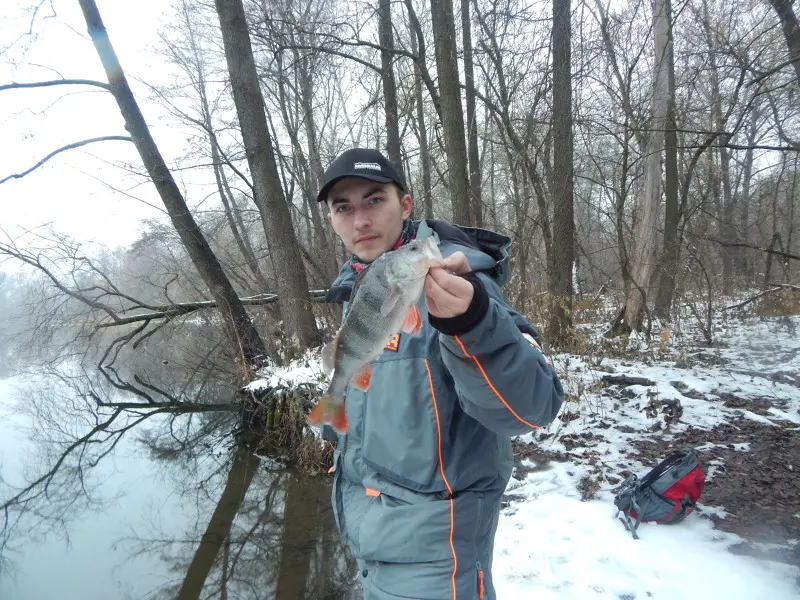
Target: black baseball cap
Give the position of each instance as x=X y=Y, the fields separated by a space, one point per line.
x=359 y=162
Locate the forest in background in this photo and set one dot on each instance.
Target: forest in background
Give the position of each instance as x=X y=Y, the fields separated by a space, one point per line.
x=639 y=153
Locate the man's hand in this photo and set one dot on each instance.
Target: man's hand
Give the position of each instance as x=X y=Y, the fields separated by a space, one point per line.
x=446 y=294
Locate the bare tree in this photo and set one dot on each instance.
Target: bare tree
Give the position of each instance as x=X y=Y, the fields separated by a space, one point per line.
x=386 y=36
x=791 y=31
x=562 y=185
x=292 y=285
x=476 y=207
x=444 y=41
x=240 y=329
x=642 y=257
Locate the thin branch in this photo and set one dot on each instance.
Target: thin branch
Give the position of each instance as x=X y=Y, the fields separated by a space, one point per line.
x=788 y=255
x=772 y=71
x=777 y=287
x=40 y=84
x=106 y=138
x=174 y=310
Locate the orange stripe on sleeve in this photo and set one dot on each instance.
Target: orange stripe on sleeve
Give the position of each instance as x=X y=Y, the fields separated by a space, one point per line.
x=447 y=483
x=491 y=386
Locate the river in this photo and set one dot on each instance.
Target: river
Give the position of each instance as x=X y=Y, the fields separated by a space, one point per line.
x=146 y=536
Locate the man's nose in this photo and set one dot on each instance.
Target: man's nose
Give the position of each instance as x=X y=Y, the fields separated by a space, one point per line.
x=362 y=219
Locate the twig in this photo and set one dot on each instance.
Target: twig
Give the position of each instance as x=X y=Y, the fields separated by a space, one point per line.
x=106 y=138
x=38 y=84
x=756 y=297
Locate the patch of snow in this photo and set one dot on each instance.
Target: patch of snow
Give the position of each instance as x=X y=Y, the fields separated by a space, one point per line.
x=553 y=546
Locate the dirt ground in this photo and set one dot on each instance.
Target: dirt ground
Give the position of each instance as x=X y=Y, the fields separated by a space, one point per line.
x=759 y=487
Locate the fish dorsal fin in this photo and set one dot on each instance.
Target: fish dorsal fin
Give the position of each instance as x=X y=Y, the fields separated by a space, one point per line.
x=394 y=295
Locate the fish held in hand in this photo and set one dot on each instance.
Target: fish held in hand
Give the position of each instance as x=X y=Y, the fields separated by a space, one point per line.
x=384 y=302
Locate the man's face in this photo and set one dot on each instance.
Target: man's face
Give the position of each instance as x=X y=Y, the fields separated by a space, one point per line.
x=367 y=216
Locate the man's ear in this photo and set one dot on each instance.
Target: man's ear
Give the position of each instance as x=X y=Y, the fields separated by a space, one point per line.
x=329 y=219
x=407 y=202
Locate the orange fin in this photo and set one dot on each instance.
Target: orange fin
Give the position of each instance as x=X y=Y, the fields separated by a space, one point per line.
x=339 y=422
x=362 y=378
x=328 y=412
x=413 y=322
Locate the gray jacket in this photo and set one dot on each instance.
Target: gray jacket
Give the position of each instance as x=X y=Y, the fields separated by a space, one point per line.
x=419 y=475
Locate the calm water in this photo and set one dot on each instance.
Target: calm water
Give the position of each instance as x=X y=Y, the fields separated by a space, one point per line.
x=144 y=541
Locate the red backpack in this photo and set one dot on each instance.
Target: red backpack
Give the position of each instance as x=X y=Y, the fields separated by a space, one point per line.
x=667 y=494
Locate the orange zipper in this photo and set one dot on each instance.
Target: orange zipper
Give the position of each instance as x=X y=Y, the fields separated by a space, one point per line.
x=482 y=586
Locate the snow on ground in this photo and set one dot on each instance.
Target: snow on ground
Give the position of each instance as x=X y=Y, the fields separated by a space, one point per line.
x=552 y=544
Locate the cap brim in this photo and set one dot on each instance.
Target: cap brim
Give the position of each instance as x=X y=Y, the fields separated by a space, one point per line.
x=323 y=193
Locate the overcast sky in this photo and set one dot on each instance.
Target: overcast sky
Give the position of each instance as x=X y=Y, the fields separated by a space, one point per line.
x=74 y=190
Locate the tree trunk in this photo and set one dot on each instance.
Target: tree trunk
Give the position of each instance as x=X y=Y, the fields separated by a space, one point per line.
x=424 y=150
x=642 y=256
x=444 y=40
x=240 y=476
x=562 y=184
x=386 y=37
x=747 y=264
x=669 y=257
x=476 y=205
x=239 y=327
x=291 y=282
x=791 y=31
x=718 y=123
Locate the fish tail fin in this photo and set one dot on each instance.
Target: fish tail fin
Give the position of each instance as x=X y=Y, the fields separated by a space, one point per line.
x=328 y=412
x=413 y=322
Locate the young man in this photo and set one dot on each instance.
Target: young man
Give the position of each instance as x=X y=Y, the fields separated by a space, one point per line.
x=419 y=474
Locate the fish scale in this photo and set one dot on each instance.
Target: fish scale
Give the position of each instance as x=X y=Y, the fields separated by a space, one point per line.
x=384 y=302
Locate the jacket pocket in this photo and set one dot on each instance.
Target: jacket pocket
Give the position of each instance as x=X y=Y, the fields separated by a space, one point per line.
x=401 y=426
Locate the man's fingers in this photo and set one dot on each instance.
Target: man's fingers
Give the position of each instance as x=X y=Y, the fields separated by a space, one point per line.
x=444 y=280
x=456 y=263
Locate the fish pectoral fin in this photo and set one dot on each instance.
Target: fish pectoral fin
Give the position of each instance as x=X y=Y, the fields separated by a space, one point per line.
x=413 y=322
x=329 y=355
x=362 y=378
x=328 y=412
x=395 y=293
x=339 y=422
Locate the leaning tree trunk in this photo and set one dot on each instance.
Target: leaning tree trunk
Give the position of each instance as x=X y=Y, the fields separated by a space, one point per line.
x=476 y=206
x=291 y=284
x=386 y=36
x=791 y=31
x=563 y=208
x=642 y=255
x=444 y=40
x=237 y=322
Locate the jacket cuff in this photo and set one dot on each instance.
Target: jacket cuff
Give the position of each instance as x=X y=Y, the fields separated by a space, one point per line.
x=461 y=324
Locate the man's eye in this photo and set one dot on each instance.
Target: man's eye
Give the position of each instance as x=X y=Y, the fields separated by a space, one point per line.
x=342 y=208
x=375 y=200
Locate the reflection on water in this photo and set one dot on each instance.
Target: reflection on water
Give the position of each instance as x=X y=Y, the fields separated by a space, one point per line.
x=276 y=540
x=223 y=525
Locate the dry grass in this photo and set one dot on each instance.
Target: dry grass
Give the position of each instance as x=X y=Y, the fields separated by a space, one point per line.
x=782 y=303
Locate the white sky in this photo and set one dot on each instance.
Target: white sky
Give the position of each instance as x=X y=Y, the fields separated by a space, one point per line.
x=67 y=191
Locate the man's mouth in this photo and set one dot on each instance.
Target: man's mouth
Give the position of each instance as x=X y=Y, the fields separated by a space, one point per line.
x=365 y=238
